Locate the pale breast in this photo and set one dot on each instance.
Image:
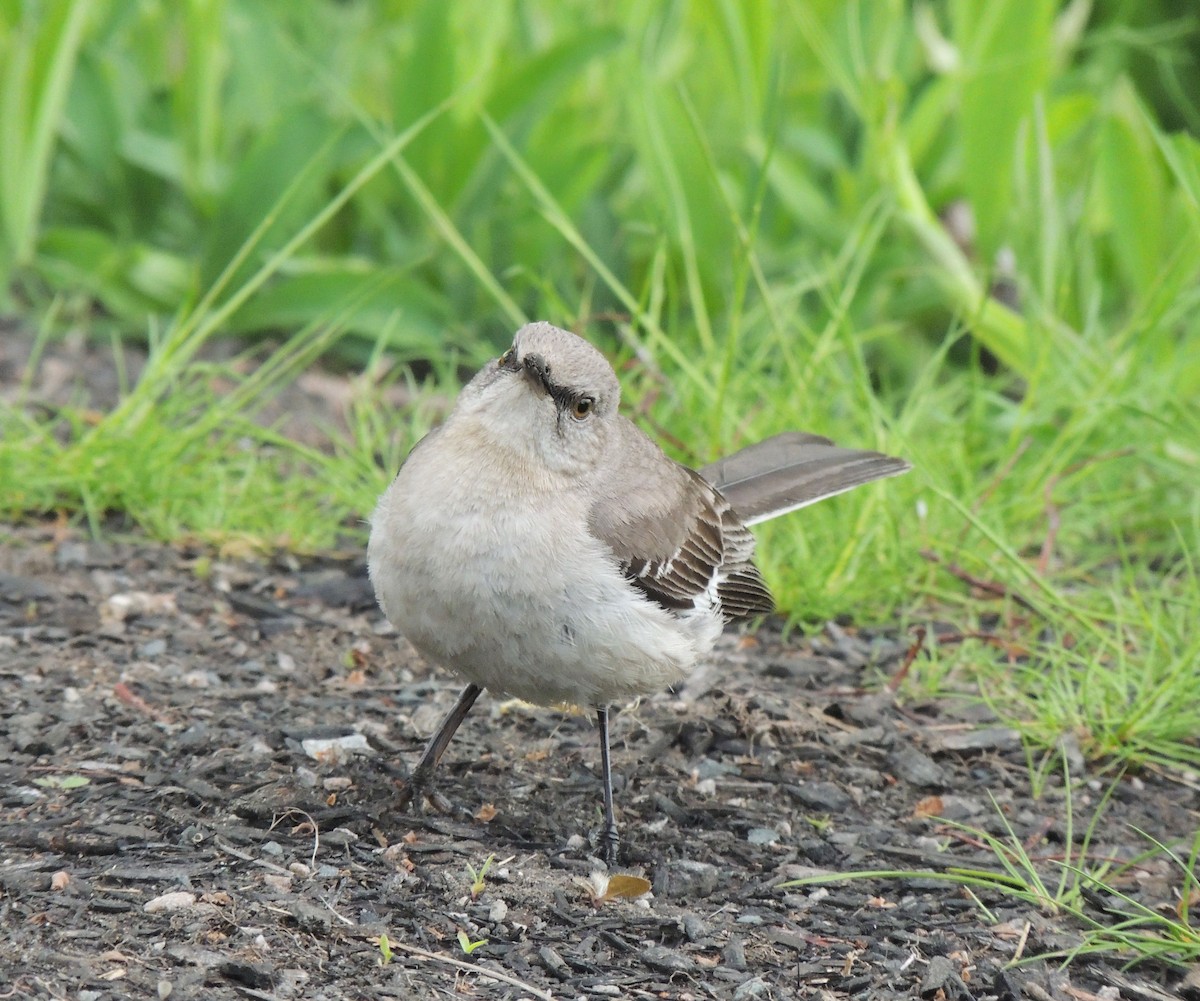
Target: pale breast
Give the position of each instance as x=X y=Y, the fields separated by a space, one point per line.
x=516 y=596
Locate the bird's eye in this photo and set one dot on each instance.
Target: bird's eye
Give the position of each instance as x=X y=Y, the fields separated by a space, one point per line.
x=582 y=407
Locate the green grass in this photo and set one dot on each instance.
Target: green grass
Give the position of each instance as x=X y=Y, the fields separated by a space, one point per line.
x=740 y=203
x=1083 y=886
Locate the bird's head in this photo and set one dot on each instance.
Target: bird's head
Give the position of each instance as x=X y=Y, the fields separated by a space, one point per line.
x=551 y=398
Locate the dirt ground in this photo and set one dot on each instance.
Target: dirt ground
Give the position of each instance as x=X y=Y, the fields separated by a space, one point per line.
x=241 y=728
x=199 y=761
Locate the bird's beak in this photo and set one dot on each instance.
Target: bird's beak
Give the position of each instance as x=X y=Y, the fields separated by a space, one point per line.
x=538 y=370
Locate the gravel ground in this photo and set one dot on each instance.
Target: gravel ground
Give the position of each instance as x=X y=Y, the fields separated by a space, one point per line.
x=200 y=761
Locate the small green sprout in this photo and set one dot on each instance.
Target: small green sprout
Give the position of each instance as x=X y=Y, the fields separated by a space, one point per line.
x=477 y=876
x=66 y=783
x=465 y=943
x=385 y=950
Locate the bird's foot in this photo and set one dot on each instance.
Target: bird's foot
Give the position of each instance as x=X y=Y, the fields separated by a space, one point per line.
x=418 y=793
x=610 y=844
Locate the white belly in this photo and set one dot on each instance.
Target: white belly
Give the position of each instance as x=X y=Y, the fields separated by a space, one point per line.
x=517 y=597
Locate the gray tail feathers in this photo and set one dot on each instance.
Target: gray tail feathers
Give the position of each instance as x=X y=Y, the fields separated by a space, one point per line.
x=793 y=470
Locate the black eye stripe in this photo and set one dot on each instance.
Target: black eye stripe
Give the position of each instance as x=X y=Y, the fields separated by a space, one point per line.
x=565 y=398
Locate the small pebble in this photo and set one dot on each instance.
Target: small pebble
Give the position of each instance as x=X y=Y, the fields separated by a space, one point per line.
x=659 y=957
x=497 y=912
x=707 y=768
x=755 y=987
x=152 y=649
x=334 y=750
x=1067 y=746
x=823 y=796
x=938 y=974
x=683 y=879
x=552 y=960
x=762 y=836
x=988 y=739
x=177 y=901
x=961 y=807
x=734 y=954
x=916 y=768
x=71 y=554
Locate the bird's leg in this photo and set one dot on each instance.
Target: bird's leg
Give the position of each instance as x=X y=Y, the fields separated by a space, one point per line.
x=421 y=776
x=610 y=839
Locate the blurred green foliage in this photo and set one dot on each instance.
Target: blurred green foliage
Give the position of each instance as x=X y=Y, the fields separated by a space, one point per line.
x=145 y=141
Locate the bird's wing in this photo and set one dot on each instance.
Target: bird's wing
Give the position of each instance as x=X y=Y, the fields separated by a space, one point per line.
x=676 y=538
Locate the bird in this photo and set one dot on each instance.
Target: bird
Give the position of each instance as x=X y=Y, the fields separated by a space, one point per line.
x=541 y=546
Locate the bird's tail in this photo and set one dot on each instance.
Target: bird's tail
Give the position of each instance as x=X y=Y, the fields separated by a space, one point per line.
x=793 y=470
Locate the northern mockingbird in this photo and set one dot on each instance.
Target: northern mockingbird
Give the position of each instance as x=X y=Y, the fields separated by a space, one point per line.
x=541 y=546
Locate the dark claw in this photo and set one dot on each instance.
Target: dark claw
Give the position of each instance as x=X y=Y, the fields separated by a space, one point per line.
x=405 y=796
x=612 y=844
x=444 y=806
x=419 y=793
